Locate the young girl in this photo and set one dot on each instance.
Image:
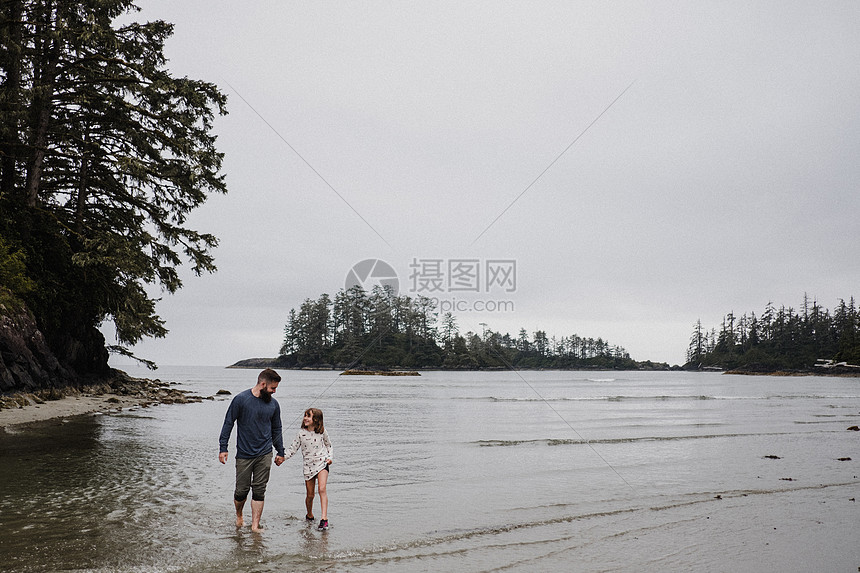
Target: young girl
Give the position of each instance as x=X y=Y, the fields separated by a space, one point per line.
x=317 y=454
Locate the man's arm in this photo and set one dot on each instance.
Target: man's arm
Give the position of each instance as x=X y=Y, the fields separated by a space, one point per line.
x=226 y=430
x=278 y=436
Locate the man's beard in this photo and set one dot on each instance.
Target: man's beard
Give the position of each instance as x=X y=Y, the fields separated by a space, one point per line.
x=266 y=396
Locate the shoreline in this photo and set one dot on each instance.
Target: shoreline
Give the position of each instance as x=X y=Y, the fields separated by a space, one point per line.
x=327 y=368
x=834 y=373
x=121 y=392
x=65 y=407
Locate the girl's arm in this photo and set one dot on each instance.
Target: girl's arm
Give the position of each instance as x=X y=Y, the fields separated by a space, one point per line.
x=294 y=447
x=328 y=446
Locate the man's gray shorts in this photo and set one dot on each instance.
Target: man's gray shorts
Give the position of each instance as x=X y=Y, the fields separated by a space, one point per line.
x=252 y=474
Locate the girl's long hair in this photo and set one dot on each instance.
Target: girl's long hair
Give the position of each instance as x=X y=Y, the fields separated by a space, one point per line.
x=317 y=417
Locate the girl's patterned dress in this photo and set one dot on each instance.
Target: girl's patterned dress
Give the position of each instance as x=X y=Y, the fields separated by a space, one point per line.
x=316 y=449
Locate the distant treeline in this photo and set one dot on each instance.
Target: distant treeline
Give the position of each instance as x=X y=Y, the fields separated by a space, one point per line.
x=384 y=330
x=779 y=339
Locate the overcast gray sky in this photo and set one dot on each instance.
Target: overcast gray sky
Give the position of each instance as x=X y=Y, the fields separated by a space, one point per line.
x=724 y=177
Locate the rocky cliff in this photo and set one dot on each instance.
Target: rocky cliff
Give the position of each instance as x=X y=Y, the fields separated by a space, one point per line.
x=28 y=362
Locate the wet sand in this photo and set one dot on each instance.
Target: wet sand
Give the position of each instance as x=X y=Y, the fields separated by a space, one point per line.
x=122 y=392
x=68 y=406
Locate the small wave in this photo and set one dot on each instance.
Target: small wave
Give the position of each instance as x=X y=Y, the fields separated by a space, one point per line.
x=810 y=397
x=617 y=398
x=655 y=398
x=504 y=443
x=579 y=442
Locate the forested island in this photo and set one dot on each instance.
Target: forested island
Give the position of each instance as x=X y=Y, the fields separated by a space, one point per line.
x=381 y=330
x=811 y=339
x=103 y=154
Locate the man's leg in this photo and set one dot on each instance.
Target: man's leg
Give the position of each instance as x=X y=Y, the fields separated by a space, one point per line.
x=256 y=514
x=260 y=477
x=240 y=521
x=243 y=486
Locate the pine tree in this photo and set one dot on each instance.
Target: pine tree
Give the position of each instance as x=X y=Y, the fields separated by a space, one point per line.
x=449 y=330
x=104 y=155
x=696 y=349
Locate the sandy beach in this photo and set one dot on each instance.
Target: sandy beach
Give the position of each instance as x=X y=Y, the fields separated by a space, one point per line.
x=121 y=393
x=68 y=406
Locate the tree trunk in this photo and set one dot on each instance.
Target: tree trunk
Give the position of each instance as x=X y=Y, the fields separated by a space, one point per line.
x=10 y=107
x=80 y=208
x=41 y=107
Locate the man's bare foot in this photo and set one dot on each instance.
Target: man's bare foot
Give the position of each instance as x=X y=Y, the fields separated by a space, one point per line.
x=257 y=528
x=240 y=521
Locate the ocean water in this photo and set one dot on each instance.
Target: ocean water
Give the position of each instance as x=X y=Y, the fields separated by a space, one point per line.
x=463 y=471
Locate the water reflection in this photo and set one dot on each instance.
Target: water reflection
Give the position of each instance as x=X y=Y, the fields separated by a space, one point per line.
x=100 y=491
x=41 y=467
x=314 y=542
x=250 y=544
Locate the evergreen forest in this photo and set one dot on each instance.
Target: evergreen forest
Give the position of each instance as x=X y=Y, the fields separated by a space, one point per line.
x=779 y=338
x=381 y=330
x=103 y=154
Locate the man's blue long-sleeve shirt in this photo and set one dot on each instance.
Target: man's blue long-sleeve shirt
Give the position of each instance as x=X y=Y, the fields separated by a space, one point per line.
x=258 y=426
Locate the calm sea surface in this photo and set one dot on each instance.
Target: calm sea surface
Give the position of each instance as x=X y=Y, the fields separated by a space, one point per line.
x=467 y=471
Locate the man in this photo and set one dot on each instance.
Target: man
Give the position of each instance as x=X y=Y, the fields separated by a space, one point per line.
x=258 y=419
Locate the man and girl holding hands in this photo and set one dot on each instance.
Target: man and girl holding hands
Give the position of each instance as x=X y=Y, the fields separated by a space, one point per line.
x=257 y=417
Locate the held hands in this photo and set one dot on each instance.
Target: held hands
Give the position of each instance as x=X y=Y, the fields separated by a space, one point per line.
x=222 y=457
x=329 y=461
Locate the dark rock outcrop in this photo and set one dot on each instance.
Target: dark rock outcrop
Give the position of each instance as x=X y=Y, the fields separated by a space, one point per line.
x=28 y=362
x=279 y=362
